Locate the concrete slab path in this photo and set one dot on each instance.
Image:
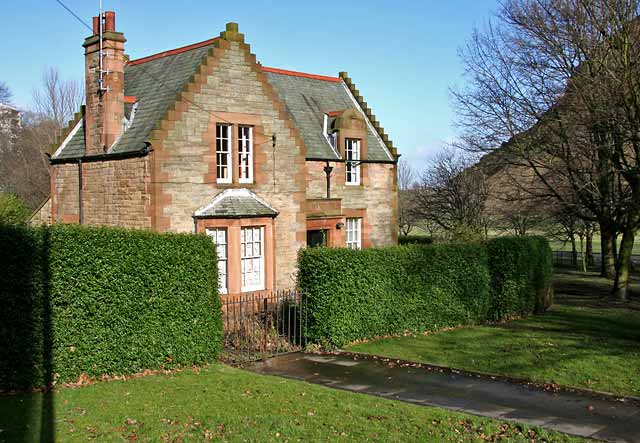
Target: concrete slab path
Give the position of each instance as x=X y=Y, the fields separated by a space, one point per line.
x=575 y=414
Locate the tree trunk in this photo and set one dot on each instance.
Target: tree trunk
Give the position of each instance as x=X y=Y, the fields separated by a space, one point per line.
x=608 y=264
x=574 y=252
x=583 y=257
x=623 y=265
x=590 y=248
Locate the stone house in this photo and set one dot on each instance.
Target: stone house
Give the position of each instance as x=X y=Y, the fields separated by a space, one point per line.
x=205 y=139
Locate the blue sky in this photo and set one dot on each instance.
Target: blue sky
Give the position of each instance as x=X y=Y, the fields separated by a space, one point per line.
x=402 y=55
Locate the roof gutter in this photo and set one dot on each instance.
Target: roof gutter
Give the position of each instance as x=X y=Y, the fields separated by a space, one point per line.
x=102 y=157
x=231 y=217
x=340 y=160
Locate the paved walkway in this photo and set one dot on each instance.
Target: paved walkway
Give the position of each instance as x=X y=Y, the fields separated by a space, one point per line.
x=570 y=413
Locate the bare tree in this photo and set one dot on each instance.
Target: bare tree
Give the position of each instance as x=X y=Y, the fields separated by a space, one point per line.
x=564 y=226
x=23 y=165
x=5 y=93
x=406 y=175
x=57 y=99
x=513 y=209
x=407 y=219
x=555 y=85
x=453 y=195
x=518 y=216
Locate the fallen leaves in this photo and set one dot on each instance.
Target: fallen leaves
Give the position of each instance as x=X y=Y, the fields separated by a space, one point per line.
x=191 y=429
x=377 y=417
x=84 y=380
x=502 y=433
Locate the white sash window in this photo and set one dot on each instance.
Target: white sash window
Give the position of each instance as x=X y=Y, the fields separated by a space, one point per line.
x=352 y=157
x=245 y=154
x=252 y=258
x=354 y=233
x=219 y=237
x=223 y=153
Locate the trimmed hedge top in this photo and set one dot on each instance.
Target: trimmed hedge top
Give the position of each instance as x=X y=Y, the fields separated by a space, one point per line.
x=104 y=301
x=354 y=295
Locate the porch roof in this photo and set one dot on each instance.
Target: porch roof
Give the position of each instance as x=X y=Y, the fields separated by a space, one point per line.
x=236 y=203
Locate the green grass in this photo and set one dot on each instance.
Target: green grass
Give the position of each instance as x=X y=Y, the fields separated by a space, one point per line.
x=225 y=404
x=587 y=342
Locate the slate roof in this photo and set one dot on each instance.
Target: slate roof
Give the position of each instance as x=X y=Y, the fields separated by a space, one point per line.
x=155 y=83
x=307 y=100
x=157 y=80
x=236 y=203
x=75 y=147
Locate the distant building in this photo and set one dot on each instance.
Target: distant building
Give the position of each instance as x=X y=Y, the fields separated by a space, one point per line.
x=10 y=123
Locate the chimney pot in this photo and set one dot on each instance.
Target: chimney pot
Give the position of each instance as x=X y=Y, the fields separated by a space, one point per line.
x=96 y=25
x=110 y=21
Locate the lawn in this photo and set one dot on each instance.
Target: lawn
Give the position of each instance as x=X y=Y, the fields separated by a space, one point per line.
x=584 y=341
x=220 y=403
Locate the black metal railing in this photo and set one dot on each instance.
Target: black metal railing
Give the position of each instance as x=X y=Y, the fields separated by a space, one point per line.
x=568 y=258
x=261 y=325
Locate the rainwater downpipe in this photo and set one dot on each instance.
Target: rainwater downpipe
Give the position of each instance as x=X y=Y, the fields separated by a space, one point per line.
x=80 y=196
x=327 y=170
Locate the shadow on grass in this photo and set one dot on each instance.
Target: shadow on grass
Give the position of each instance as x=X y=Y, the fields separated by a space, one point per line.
x=25 y=336
x=588 y=289
x=587 y=324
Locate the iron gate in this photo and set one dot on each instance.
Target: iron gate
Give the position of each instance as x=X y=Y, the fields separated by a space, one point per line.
x=258 y=326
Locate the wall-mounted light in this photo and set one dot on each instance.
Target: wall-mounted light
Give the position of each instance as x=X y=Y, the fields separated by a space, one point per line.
x=340 y=226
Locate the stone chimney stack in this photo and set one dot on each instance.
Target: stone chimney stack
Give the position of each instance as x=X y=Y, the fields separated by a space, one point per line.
x=105 y=98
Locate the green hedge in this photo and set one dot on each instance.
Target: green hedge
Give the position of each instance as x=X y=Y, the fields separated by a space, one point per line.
x=104 y=301
x=360 y=294
x=414 y=240
x=354 y=295
x=521 y=270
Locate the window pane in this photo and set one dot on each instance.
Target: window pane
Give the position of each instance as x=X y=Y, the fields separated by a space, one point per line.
x=252 y=259
x=245 y=153
x=352 y=155
x=354 y=233
x=219 y=238
x=223 y=153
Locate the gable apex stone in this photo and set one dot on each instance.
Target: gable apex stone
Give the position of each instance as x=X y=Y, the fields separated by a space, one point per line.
x=231 y=33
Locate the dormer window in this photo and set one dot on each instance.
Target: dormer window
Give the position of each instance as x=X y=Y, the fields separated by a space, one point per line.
x=352 y=160
x=223 y=153
x=331 y=137
x=333 y=140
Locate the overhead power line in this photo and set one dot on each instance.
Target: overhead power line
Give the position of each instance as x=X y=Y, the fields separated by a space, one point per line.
x=76 y=16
